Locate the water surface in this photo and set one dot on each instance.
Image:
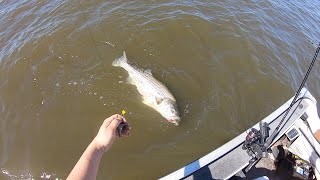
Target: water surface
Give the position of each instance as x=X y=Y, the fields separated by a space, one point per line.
x=229 y=64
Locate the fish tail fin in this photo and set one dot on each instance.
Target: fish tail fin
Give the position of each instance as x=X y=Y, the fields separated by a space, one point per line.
x=120 y=61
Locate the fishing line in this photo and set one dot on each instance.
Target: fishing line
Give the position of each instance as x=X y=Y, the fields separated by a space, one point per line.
x=91 y=35
x=87 y=26
x=106 y=34
x=92 y=38
x=277 y=130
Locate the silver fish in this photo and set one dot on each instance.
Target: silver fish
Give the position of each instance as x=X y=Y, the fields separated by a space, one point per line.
x=154 y=93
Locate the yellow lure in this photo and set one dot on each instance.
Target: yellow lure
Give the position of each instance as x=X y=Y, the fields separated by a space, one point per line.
x=123 y=112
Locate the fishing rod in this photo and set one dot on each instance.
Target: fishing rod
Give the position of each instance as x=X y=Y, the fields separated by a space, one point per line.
x=277 y=130
x=258 y=141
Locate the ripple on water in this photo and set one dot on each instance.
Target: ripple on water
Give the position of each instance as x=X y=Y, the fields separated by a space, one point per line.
x=228 y=64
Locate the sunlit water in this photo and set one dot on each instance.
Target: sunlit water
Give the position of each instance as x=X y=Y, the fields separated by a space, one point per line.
x=229 y=64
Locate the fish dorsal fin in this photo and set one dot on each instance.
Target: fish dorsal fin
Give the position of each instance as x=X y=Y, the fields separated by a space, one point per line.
x=124 y=55
x=159 y=100
x=148 y=71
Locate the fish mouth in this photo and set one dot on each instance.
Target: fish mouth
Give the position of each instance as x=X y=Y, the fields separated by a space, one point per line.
x=174 y=122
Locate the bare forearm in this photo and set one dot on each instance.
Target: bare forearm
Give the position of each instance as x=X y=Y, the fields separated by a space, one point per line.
x=88 y=164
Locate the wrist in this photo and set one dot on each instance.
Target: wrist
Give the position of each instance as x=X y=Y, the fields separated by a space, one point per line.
x=96 y=147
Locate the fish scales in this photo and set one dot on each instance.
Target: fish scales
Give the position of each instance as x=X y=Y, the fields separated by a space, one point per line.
x=148 y=79
x=158 y=86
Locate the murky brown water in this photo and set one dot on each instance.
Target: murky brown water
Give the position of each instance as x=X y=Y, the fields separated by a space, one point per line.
x=229 y=64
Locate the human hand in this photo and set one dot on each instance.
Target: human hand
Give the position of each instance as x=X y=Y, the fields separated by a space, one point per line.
x=108 y=131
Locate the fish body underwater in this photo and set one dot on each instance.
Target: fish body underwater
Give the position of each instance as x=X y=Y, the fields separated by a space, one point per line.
x=154 y=93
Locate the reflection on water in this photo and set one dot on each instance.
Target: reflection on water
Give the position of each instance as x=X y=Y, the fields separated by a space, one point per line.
x=229 y=64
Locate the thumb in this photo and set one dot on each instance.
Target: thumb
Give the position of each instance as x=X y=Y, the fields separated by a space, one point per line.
x=108 y=121
x=115 y=123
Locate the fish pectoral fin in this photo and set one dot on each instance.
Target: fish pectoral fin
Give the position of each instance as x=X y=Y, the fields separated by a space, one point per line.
x=148 y=71
x=146 y=100
x=159 y=100
x=129 y=80
x=149 y=100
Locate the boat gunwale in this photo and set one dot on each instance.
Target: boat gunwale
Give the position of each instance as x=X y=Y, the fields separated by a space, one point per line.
x=235 y=142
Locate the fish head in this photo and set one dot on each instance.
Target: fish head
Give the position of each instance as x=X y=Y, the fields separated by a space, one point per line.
x=169 y=110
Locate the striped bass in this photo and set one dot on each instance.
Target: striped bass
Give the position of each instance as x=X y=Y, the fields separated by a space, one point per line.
x=154 y=93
